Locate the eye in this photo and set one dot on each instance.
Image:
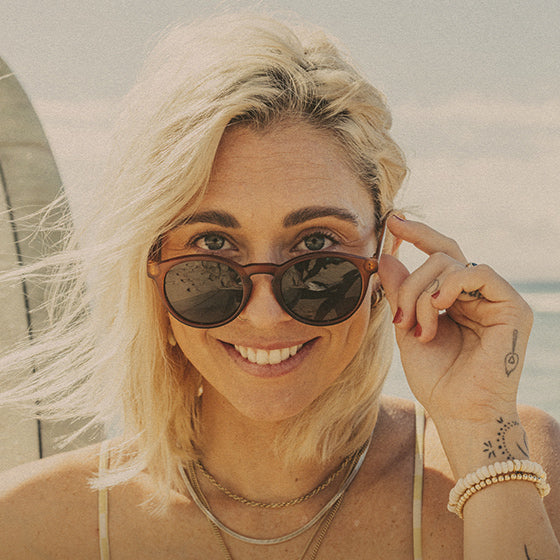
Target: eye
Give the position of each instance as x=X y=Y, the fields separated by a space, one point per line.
x=316 y=242
x=212 y=242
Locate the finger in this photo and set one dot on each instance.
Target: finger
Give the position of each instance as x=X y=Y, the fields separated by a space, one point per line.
x=427 y=315
x=425 y=279
x=425 y=238
x=474 y=283
x=392 y=273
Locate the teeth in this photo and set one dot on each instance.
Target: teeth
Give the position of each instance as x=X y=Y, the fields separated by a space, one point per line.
x=275 y=356
x=262 y=357
x=252 y=355
x=266 y=357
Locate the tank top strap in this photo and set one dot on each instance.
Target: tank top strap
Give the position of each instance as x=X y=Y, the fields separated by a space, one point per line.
x=418 y=482
x=103 y=505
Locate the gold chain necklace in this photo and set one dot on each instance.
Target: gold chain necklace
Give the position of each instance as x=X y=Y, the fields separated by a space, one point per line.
x=325 y=516
x=316 y=539
x=318 y=536
x=277 y=505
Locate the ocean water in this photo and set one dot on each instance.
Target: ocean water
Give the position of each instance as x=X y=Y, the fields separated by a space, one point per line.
x=540 y=381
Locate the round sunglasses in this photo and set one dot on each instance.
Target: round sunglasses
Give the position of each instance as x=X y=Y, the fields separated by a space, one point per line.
x=320 y=288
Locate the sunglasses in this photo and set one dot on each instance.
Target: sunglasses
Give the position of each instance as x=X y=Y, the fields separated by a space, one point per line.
x=320 y=288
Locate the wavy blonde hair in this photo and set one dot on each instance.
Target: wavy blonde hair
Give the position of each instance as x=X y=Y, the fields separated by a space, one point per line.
x=106 y=347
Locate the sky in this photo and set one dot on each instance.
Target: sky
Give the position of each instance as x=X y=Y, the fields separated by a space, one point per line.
x=474 y=88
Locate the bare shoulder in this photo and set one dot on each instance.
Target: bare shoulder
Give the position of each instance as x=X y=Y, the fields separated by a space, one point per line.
x=401 y=412
x=395 y=424
x=543 y=432
x=48 y=507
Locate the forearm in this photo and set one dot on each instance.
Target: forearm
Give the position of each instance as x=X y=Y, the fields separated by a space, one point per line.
x=504 y=519
x=509 y=521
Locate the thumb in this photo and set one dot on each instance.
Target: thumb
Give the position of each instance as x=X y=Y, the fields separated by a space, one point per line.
x=392 y=274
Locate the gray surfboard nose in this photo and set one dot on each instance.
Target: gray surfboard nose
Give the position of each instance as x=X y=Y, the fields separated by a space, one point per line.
x=29 y=180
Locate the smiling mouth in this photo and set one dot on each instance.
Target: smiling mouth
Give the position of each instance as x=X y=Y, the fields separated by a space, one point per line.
x=263 y=357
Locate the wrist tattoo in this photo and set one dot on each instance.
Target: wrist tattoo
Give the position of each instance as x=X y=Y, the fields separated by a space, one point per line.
x=527 y=554
x=510 y=443
x=511 y=361
x=488 y=448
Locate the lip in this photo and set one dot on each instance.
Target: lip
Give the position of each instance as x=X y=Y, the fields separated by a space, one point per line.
x=269 y=371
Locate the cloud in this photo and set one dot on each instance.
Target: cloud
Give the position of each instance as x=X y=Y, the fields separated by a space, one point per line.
x=478 y=111
x=486 y=173
x=470 y=127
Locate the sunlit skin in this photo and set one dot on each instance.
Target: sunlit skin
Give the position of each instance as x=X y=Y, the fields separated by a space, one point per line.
x=261 y=179
x=274 y=195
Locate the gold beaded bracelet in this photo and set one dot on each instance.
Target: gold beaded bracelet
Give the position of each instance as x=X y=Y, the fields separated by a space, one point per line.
x=493 y=474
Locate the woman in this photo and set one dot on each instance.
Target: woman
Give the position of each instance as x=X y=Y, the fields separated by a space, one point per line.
x=234 y=310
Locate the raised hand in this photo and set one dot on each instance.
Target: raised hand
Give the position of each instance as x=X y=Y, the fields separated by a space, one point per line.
x=462 y=330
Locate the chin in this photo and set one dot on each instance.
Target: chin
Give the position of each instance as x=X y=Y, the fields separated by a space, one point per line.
x=267 y=405
x=273 y=417
x=274 y=412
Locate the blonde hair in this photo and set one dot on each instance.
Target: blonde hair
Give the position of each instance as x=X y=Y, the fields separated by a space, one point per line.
x=106 y=347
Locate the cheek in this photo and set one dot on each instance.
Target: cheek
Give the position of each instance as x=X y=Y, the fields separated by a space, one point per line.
x=360 y=325
x=351 y=335
x=360 y=319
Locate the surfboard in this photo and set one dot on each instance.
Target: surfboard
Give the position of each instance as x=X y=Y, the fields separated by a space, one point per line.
x=29 y=180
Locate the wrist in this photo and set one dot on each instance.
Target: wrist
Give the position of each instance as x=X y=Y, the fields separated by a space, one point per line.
x=471 y=445
x=506 y=471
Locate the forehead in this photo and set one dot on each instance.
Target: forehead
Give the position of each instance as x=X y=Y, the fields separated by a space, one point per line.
x=272 y=171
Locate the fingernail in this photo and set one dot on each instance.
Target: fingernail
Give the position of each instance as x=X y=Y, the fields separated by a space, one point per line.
x=436 y=294
x=417 y=330
x=399 y=218
x=398 y=316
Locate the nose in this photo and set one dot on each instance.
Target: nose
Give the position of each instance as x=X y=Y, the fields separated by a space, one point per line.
x=262 y=309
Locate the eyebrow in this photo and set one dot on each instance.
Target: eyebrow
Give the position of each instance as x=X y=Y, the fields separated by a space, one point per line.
x=227 y=220
x=311 y=212
x=216 y=217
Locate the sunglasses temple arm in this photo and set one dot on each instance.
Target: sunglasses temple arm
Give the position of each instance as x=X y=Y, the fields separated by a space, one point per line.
x=381 y=243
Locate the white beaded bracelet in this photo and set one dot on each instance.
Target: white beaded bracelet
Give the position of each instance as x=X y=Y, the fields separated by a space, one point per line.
x=492 y=474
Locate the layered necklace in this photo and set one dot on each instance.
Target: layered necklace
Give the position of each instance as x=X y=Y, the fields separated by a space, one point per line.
x=324 y=517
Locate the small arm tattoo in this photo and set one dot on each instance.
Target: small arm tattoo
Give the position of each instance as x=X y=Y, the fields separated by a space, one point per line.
x=510 y=443
x=511 y=361
x=527 y=554
x=488 y=448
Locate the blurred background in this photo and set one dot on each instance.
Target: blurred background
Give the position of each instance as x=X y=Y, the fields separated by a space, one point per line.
x=474 y=90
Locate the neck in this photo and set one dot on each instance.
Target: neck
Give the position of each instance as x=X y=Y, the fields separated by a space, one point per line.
x=240 y=453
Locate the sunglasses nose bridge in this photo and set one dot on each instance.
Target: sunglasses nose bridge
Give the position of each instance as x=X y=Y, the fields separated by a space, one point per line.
x=260 y=268
x=262 y=302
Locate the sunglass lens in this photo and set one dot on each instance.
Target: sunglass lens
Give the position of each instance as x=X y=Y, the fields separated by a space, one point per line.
x=203 y=292
x=322 y=290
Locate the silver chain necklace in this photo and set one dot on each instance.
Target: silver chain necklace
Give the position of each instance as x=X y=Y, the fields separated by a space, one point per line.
x=277 y=540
